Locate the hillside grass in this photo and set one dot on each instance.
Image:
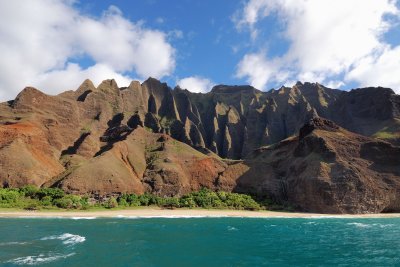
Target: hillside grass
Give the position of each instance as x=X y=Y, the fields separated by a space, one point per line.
x=389 y=132
x=386 y=135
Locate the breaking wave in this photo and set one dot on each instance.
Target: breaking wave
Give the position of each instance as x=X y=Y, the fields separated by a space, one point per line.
x=39 y=259
x=68 y=239
x=83 y=218
x=310 y=223
x=167 y=216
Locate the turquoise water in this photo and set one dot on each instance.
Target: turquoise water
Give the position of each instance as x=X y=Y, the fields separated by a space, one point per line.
x=200 y=242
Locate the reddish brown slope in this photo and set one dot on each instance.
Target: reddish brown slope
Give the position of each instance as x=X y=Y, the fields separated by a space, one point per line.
x=59 y=141
x=326 y=169
x=143 y=162
x=55 y=141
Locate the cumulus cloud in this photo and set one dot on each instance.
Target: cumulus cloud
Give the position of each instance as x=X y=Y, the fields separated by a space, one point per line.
x=258 y=69
x=73 y=75
x=378 y=70
x=41 y=38
x=196 y=84
x=327 y=39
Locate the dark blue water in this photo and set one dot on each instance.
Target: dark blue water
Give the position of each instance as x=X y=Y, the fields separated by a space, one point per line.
x=200 y=242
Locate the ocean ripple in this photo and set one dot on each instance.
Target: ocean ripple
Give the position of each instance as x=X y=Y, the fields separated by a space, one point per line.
x=12 y=243
x=364 y=225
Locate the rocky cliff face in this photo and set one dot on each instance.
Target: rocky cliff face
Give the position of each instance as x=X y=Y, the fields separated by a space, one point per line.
x=326 y=169
x=150 y=138
x=102 y=140
x=245 y=118
x=231 y=121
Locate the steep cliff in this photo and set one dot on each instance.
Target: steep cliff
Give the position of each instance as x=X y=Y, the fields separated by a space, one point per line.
x=325 y=169
x=149 y=138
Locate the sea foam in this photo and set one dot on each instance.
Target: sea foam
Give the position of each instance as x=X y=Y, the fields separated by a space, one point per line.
x=360 y=225
x=39 y=259
x=167 y=216
x=83 y=218
x=68 y=239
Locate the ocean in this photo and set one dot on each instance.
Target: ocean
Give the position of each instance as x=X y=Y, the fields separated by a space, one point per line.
x=199 y=242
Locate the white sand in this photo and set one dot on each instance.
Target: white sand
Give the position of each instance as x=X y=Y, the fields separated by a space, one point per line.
x=153 y=212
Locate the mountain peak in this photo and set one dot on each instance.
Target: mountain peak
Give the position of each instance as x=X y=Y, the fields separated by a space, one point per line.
x=108 y=140
x=231 y=89
x=317 y=123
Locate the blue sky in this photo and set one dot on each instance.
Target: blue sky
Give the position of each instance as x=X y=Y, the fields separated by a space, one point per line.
x=206 y=47
x=55 y=44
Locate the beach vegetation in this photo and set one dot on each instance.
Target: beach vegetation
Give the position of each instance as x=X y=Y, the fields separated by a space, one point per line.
x=111 y=203
x=33 y=198
x=204 y=198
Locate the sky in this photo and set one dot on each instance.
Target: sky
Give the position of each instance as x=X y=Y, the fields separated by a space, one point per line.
x=54 y=45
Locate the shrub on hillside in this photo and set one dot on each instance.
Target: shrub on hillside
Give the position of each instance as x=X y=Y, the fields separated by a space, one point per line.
x=144 y=199
x=53 y=193
x=70 y=202
x=111 y=203
x=29 y=191
x=64 y=203
x=46 y=201
x=187 y=202
x=122 y=202
x=206 y=198
x=171 y=202
x=9 y=196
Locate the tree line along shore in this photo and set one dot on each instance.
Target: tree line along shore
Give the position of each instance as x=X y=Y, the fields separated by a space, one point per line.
x=33 y=198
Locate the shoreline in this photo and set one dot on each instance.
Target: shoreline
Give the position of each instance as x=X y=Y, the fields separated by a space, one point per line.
x=179 y=213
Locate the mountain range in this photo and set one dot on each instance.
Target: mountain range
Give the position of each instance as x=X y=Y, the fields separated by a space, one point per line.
x=309 y=146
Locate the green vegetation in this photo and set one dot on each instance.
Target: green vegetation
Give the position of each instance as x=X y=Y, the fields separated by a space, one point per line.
x=152 y=154
x=148 y=129
x=178 y=146
x=111 y=203
x=151 y=158
x=86 y=129
x=385 y=135
x=388 y=132
x=202 y=199
x=33 y=198
x=166 y=122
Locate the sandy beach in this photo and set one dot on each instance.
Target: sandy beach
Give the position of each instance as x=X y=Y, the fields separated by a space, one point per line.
x=154 y=212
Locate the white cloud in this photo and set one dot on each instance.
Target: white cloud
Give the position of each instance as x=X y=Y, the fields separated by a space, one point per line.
x=196 y=84
x=73 y=75
x=378 y=70
x=252 y=12
x=40 y=39
x=326 y=38
x=125 y=46
x=258 y=69
x=334 y=84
